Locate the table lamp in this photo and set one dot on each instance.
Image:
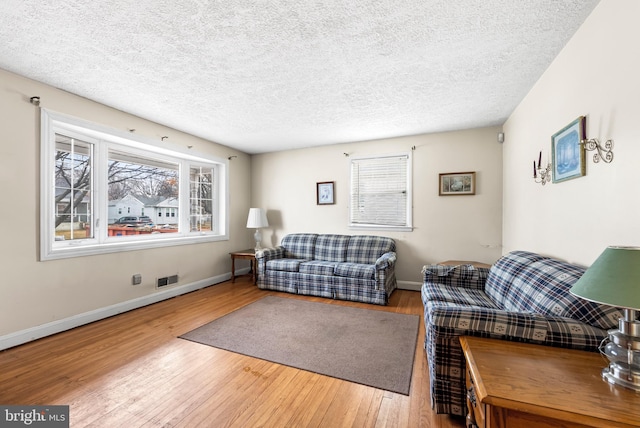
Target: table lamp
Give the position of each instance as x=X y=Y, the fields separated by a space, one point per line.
x=257 y=219
x=614 y=279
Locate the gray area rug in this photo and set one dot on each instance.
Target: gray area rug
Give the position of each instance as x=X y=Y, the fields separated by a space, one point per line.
x=370 y=347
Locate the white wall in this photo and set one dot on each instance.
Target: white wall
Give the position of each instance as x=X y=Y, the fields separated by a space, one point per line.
x=34 y=293
x=445 y=227
x=597 y=76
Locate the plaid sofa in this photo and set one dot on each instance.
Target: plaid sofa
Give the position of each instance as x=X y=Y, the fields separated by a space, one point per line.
x=359 y=268
x=523 y=297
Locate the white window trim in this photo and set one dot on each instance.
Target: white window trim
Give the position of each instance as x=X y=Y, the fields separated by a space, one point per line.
x=409 y=220
x=102 y=244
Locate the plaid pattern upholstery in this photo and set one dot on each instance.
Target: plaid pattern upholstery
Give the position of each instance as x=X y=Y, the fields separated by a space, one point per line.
x=315 y=267
x=465 y=276
x=367 y=249
x=320 y=265
x=315 y=285
x=331 y=248
x=543 y=286
x=356 y=270
x=448 y=295
x=287 y=265
x=299 y=245
x=457 y=303
x=359 y=290
x=278 y=280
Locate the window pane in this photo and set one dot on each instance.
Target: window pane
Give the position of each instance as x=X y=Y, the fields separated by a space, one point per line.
x=201 y=199
x=73 y=208
x=142 y=188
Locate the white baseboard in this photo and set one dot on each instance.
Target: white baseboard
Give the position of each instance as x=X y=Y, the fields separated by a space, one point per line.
x=33 y=333
x=409 y=285
x=23 y=336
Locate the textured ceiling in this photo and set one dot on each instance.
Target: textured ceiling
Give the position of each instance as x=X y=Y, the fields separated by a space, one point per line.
x=267 y=75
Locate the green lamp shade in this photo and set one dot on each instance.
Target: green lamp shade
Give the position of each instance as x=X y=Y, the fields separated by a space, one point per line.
x=613 y=279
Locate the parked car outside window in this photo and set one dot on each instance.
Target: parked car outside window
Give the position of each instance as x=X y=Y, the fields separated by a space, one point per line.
x=134 y=221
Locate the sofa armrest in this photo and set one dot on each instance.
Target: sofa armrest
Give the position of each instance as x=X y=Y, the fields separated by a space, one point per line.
x=466 y=276
x=266 y=254
x=573 y=334
x=385 y=261
x=272 y=253
x=517 y=326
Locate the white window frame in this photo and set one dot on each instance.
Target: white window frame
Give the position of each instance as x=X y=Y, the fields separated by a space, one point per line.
x=105 y=138
x=408 y=221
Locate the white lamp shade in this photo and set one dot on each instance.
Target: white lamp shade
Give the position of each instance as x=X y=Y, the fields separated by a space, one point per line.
x=257 y=218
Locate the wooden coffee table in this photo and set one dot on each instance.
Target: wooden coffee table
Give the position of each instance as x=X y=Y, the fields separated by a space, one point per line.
x=250 y=255
x=514 y=384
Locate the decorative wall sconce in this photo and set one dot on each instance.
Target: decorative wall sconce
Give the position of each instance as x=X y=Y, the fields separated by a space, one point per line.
x=604 y=152
x=35 y=101
x=541 y=175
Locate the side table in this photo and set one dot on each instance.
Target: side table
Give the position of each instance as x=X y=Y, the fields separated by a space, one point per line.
x=464 y=262
x=250 y=255
x=511 y=384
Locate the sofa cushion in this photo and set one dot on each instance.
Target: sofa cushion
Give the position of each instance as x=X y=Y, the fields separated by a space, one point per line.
x=331 y=248
x=299 y=245
x=317 y=267
x=541 y=285
x=503 y=273
x=451 y=295
x=367 y=248
x=286 y=265
x=355 y=270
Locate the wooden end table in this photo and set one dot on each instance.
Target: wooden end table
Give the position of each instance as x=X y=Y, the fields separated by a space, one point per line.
x=464 y=262
x=250 y=255
x=513 y=384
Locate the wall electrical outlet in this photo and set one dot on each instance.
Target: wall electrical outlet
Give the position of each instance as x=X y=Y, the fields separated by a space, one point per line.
x=136 y=279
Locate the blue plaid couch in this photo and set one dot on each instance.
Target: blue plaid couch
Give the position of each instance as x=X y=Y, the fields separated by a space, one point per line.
x=523 y=297
x=359 y=268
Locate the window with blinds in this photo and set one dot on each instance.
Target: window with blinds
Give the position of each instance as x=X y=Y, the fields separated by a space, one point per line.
x=381 y=192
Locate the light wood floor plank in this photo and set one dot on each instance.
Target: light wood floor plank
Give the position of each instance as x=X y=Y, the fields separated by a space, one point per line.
x=132 y=370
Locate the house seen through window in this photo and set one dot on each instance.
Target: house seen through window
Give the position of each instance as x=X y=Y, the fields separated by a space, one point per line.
x=105 y=191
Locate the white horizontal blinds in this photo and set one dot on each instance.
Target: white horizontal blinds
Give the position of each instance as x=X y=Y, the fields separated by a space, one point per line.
x=379 y=191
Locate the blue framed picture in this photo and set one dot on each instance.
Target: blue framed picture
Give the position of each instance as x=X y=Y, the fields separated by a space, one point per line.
x=568 y=151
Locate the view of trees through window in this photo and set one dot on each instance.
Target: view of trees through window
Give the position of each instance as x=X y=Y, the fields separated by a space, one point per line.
x=104 y=191
x=143 y=193
x=73 y=183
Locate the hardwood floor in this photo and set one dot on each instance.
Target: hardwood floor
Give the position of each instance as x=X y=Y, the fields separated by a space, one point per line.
x=132 y=370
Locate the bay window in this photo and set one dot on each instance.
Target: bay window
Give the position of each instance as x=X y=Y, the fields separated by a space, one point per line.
x=104 y=190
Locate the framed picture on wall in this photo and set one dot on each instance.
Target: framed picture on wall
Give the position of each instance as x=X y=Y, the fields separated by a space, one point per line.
x=568 y=151
x=457 y=183
x=324 y=193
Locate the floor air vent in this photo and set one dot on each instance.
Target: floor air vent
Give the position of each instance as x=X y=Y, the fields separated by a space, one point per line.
x=167 y=280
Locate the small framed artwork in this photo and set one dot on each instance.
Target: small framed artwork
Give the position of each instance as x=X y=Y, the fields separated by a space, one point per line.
x=324 y=193
x=568 y=151
x=457 y=183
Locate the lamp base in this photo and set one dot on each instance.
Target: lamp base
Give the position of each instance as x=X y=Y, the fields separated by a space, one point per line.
x=623 y=353
x=618 y=375
x=258 y=238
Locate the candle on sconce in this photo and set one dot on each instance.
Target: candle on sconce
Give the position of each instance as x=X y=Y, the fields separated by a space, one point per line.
x=534 y=169
x=540 y=159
